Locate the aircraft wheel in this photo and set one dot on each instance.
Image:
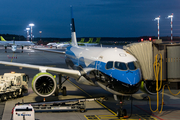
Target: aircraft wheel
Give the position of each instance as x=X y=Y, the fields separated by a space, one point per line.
x=119 y=113
x=64 y=91
x=124 y=112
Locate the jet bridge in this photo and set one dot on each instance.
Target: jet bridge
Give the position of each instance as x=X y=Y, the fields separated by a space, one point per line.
x=159 y=61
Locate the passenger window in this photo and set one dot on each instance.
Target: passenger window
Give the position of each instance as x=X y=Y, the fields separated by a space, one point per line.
x=120 y=65
x=109 y=65
x=131 y=66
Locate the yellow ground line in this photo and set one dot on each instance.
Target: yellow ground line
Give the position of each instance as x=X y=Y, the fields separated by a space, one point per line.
x=96 y=100
x=108 y=117
x=80 y=88
x=141 y=116
x=12 y=58
x=106 y=108
x=91 y=117
x=105 y=115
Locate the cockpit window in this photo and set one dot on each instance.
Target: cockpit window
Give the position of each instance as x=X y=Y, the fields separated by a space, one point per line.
x=131 y=66
x=120 y=65
x=109 y=65
x=136 y=63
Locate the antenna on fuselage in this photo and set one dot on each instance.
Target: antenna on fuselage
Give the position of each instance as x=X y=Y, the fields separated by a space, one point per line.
x=73 y=32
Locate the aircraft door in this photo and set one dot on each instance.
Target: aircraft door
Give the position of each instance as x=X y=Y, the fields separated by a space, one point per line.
x=80 y=59
x=98 y=66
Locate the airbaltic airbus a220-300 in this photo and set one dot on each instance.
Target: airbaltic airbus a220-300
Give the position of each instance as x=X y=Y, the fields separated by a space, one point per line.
x=112 y=69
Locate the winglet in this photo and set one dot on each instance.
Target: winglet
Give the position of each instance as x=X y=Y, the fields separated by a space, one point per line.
x=73 y=32
x=2 y=39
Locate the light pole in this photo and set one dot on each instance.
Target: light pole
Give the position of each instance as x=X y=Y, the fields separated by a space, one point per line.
x=31 y=25
x=40 y=34
x=27 y=29
x=171 y=16
x=157 y=24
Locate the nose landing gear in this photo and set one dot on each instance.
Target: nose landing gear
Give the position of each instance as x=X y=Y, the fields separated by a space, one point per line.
x=120 y=111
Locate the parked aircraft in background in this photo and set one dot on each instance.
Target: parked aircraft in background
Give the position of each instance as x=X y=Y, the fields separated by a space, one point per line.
x=90 y=42
x=52 y=44
x=2 y=39
x=81 y=41
x=112 y=69
x=15 y=44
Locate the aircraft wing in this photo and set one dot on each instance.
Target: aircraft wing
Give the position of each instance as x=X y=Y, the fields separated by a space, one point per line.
x=3 y=43
x=71 y=73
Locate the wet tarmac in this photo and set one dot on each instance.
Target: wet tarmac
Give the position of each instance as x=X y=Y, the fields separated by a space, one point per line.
x=96 y=110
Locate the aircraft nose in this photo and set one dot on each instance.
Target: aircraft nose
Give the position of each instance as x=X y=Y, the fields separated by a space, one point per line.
x=132 y=77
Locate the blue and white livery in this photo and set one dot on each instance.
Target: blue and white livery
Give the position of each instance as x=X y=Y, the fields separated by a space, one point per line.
x=113 y=69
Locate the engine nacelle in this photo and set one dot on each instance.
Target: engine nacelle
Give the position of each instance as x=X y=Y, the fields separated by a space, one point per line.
x=44 y=84
x=149 y=87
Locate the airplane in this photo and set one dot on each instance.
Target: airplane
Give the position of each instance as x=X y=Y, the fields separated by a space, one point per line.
x=81 y=41
x=64 y=44
x=51 y=44
x=2 y=39
x=90 y=42
x=14 y=44
x=112 y=69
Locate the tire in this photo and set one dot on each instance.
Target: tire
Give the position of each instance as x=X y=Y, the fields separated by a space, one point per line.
x=82 y=110
x=124 y=112
x=22 y=94
x=64 y=91
x=4 y=97
x=119 y=113
x=10 y=96
x=14 y=95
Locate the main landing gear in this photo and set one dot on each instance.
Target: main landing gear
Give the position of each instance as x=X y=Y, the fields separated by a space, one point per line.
x=121 y=112
x=59 y=87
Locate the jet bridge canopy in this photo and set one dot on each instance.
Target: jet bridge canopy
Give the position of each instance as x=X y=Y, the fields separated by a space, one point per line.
x=146 y=51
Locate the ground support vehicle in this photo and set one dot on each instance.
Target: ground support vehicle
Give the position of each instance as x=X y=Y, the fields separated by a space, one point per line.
x=62 y=105
x=13 y=85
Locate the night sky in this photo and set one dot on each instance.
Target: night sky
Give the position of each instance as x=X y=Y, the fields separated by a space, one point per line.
x=93 y=18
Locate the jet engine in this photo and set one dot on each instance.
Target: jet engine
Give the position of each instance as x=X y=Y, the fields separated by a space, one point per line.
x=149 y=87
x=44 y=84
